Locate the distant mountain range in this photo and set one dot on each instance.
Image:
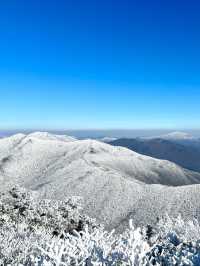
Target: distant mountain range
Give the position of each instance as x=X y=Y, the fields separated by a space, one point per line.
x=176 y=136
x=115 y=183
x=176 y=147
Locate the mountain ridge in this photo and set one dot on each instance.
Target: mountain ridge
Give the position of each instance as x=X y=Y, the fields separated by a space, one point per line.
x=114 y=182
x=186 y=156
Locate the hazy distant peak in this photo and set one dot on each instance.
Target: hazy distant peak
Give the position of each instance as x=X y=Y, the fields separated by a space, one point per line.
x=107 y=139
x=177 y=135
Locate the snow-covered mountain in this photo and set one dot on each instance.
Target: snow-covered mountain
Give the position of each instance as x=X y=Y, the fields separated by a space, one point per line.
x=183 y=139
x=177 y=135
x=48 y=136
x=173 y=136
x=180 y=138
x=186 y=156
x=115 y=183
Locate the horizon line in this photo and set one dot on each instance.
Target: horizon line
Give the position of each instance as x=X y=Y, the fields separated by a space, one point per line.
x=99 y=129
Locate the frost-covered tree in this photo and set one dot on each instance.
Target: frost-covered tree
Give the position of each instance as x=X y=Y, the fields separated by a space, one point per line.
x=19 y=205
x=38 y=232
x=26 y=221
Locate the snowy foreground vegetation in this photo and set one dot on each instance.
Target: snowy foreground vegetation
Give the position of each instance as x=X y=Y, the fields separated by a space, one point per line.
x=35 y=231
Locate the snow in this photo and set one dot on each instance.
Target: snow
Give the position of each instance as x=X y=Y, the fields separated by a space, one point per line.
x=107 y=139
x=177 y=136
x=47 y=232
x=48 y=136
x=115 y=183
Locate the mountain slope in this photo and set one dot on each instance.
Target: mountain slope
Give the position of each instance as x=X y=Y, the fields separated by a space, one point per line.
x=185 y=156
x=33 y=154
x=113 y=181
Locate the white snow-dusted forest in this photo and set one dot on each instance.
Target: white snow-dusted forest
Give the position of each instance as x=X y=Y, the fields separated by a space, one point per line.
x=49 y=232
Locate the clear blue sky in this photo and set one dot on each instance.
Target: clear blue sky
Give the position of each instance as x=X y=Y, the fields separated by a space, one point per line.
x=99 y=64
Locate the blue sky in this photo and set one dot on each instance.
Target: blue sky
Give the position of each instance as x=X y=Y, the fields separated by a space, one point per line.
x=99 y=64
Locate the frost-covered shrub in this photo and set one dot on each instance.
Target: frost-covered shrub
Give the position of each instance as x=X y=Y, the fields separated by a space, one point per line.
x=167 y=253
x=175 y=242
x=17 y=244
x=26 y=222
x=169 y=243
x=186 y=230
x=98 y=248
x=19 y=205
x=35 y=232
